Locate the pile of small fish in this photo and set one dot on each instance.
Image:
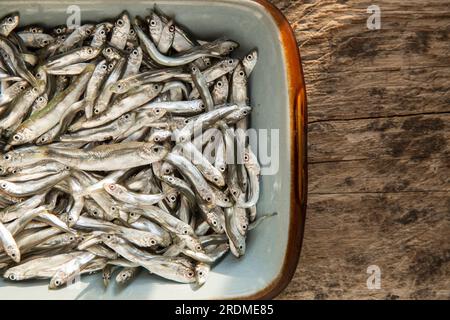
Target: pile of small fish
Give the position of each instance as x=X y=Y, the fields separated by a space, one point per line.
x=119 y=143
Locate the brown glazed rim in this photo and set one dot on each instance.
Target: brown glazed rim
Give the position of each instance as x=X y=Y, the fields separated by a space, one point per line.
x=299 y=176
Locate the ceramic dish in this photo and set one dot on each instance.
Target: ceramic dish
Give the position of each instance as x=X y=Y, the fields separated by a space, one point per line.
x=277 y=92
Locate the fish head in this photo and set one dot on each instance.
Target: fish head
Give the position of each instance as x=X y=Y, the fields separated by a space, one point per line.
x=221 y=86
x=111 y=53
x=88 y=53
x=228 y=65
x=124 y=276
x=185 y=274
x=154 y=152
x=184 y=229
x=214 y=221
x=13 y=275
x=127 y=119
x=155 y=26
x=201 y=273
x=13 y=251
x=249 y=61
x=238 y=248
x=239 y=75
x=45 y=40
x=123 y=21
x=9 y=23
x=58 y=280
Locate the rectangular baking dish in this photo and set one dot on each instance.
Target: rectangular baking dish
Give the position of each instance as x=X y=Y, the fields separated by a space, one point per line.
x=277 y=93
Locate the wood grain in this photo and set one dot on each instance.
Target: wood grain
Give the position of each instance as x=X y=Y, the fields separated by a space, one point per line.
x=379 y=160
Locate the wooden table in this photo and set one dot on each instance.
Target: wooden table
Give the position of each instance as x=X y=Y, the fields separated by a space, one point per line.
x=379 y=165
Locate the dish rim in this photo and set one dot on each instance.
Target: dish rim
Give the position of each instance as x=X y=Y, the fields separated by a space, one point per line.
x=299 y=172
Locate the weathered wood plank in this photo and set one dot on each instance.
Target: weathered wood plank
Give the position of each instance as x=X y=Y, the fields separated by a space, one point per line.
x=353 y=94
x=380 y=175
x=353 y=72
x=398 y=137
x=407 y=235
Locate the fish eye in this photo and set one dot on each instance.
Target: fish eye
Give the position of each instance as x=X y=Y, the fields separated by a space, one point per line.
x=132 y=32
x=120 y=22
x=70 y=219
x=94 y=212
x=7 y=156
x=157 y=139
x=16 y=138
x=22 y=88
x=113 y=208
x=58 y=31
x=200 y=273
x=240 y=247
x=157 y=110
x=156 y=87
x=152 y=242
x=89 y=51
x=57 y=282
x=230 y=62
x=241 y=73
x=12 y=277
x=155 y=149
x=3 y=185
x=226 y=199
x=63 y=38
x=208 y=199
x=214 y=222
x=202 y=106
x=127 y=116
x=244 y=112
x=104 y=67
x=235 y=192
x=41 y=99
x=66 y=168
x=230 y=49
x=132 y=214
x=153 y=23
x=135 y=52
x=190 y=274
x=112 y=186
x=208 y=63
x=13 y=254
x=246 y=158
x=171 y=28
x=173 y=198
x=194 y=68
x=10 y=20
x=108 y=50
x=88 y=32
x=244 y=226
x=96 y=111
x=14 y=171
x=216 y=179
x=34 y=90
x=109 y=237
x=102 y=32
x=170 y=179
x=219 y=84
